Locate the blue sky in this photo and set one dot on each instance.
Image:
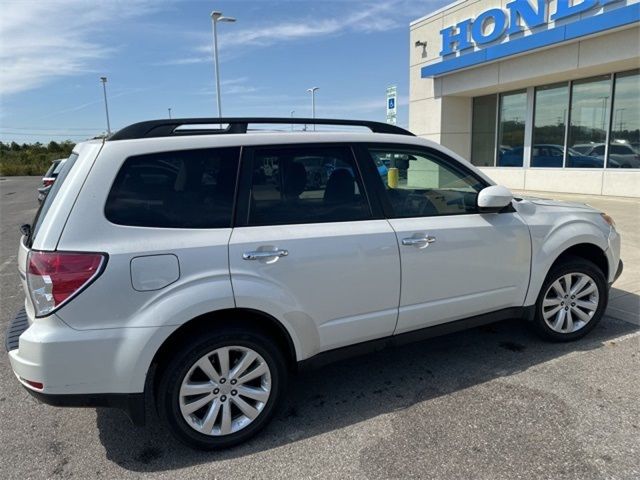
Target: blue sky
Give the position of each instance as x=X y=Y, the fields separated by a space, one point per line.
x=157 y=54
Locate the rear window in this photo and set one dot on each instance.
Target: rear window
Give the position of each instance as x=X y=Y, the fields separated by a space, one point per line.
x=180 y=189
x=58 y=167
x=53 y=166
x=621 y=150
x=55 y=188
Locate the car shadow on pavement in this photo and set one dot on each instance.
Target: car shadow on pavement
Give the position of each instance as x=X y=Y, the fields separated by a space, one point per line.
x=352 y=391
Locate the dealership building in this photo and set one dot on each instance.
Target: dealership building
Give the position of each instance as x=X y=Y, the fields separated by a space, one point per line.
x=541 y=95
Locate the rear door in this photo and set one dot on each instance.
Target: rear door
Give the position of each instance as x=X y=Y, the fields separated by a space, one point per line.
x=310 y=249
x=456 y=262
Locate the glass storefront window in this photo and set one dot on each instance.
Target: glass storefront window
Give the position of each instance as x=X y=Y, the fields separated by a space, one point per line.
x=513 y=112
x=549 y=125
x=572 y=123
x=624 y=141
x=483 y=138
x=589 y=122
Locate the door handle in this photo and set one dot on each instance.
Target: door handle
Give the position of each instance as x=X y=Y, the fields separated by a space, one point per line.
x=418 y=241
x=257 y=255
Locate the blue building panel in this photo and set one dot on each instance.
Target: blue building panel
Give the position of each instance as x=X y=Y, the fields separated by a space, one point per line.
x=607 y=20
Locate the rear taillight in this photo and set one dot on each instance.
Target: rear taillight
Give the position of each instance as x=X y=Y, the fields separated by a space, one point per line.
x=55 y=277
x=47 y=182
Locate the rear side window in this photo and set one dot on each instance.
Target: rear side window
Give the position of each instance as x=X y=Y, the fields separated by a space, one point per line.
x=306 y=184
x=180 y=189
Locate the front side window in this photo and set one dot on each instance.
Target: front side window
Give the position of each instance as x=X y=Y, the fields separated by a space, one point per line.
x=513 y=113
x=306 y=184
x=180 y=189
x=624 y=147
x=420 y=183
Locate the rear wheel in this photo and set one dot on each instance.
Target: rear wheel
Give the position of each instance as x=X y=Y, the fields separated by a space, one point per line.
x=572 y=300
x=222 y=389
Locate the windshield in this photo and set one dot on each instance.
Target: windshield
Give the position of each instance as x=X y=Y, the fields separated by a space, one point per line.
x=44 y=207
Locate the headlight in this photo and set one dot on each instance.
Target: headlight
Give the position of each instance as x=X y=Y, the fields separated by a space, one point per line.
x=608 y=219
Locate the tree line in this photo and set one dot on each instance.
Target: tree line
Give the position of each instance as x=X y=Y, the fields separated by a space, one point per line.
x=31 y=158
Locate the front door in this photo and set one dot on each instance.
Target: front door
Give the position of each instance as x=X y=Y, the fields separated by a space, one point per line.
x=456 y=262
x=309 y=249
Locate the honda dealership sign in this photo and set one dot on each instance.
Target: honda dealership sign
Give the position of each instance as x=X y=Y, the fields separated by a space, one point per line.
x=496 y=33
x=473 y=31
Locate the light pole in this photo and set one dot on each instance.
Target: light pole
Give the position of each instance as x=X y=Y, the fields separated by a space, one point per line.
x=312 y=90
x=292 y=112
x=215 y=18
x=169 y=109
x=106 y=106
x=621 y=111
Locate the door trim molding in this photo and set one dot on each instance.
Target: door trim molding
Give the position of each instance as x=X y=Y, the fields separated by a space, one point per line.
x=363 y=348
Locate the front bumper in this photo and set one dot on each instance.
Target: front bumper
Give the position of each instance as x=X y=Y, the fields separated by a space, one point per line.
x=618 y=272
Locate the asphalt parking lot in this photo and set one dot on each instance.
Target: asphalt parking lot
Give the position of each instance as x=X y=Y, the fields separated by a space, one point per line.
x=490 y=403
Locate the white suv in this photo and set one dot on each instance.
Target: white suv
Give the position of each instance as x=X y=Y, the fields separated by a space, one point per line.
x=222 y=259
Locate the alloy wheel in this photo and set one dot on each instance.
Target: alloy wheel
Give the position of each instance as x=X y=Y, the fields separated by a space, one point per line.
x=570 y=302
x=225 y=390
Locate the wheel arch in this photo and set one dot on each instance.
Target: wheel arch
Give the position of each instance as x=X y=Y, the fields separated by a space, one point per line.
x=587 y=251
x=244 y=317
x=585 y=246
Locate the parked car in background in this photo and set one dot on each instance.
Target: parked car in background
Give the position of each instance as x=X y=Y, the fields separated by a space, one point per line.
x=176 y=267
x=621 y=155
x=549 y=155
x=49 y=178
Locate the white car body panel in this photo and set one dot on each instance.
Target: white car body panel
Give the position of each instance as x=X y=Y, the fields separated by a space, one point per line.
x=340 y=284
x=557 y=226
x=478 y=263
x=54 y=222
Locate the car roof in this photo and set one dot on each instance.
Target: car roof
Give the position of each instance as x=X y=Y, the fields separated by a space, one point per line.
x=273 y=137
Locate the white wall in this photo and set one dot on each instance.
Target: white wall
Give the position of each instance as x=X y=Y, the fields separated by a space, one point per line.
x=619 y=183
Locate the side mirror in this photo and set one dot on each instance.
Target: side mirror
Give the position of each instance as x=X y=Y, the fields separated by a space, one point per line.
x=494 y=198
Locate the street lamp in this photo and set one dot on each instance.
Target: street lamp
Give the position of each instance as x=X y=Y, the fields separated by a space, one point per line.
x=312 y=90
x=292 y=112
x=106 y=106
x=215 y=18
x=169 y=109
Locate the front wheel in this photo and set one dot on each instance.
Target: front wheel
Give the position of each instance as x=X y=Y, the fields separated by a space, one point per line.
x=222 y=389
x=572 y=300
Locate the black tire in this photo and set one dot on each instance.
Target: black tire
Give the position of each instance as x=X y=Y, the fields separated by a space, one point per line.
x=568 y=266
x=184 y=358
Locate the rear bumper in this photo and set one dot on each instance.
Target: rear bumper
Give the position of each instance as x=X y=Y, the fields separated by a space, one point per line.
x=81 y=368
x=131 y=403
x=16 y=328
